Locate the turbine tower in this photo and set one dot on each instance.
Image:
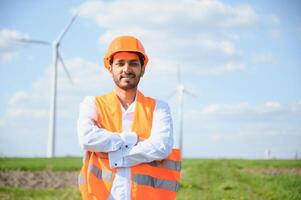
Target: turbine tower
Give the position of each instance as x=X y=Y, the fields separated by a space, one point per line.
x=180 y=91
x=56 y=57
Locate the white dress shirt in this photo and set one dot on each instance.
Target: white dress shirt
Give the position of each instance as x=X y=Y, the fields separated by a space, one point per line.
x=123 y=153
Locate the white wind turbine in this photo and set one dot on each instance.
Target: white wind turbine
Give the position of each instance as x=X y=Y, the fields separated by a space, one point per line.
x=180 y=91
x=56 y=57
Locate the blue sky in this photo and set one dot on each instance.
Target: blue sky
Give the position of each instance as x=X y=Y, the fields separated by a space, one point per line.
x=241 y=59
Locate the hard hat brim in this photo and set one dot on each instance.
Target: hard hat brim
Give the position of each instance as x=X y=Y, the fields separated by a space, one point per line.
x=107 y=58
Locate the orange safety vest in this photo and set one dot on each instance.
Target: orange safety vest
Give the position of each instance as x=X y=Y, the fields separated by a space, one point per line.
x=154 y=180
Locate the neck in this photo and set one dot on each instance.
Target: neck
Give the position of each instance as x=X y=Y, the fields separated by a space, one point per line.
x=126 y=97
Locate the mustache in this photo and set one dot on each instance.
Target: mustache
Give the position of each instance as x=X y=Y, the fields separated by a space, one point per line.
x=129 y=75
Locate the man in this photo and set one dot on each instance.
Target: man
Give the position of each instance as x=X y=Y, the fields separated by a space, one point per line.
x=127 y=137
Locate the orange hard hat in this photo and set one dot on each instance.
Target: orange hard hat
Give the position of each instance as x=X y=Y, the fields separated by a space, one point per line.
x=124 y=43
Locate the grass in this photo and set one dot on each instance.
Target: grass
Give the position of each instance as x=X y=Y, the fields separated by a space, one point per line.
x=39 y=194
x=38 y=164
x=201 y=179
x=227 y=179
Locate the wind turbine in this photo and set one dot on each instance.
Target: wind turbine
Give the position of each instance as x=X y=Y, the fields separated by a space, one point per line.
x=56 y=57
x=180 y=91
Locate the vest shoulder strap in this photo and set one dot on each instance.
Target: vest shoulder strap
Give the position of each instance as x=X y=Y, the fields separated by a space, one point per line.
x=145 y=107
x=109 y=112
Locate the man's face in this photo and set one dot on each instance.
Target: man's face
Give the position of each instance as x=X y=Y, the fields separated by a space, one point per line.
x=126 y=70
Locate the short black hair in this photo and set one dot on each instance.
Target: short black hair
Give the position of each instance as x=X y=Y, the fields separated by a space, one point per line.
x=140 y=55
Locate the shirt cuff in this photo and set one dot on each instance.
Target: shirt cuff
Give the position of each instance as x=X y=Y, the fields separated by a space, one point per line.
x=129 y=138
x=116 y=158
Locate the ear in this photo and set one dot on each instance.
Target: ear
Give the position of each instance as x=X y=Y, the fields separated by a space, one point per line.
x=142 y=70
x=110 y=69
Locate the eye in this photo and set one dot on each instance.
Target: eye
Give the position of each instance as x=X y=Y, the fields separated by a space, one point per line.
x=134 y=64
x=120 y=64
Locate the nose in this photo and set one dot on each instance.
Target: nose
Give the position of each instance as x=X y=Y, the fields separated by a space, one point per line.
x=126 y=67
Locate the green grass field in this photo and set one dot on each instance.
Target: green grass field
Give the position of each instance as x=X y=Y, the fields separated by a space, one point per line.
x=201 y=179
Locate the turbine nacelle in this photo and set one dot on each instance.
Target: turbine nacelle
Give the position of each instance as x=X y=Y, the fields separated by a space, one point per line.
x=55 y=44
x=180 y=88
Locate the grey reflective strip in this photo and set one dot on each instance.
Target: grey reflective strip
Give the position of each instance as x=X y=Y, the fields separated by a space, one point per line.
x=156 y=182
x=81 y=179
x=100 y=174
x=107 y=175
x=167 y=164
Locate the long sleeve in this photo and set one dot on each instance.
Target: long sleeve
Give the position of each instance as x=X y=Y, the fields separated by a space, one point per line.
x=156 y=147
x=90 y=136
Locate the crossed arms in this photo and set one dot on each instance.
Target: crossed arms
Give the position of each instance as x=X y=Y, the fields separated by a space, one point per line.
x=124 y=149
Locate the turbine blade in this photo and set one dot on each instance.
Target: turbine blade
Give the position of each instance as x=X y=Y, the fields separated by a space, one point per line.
x=65 y=68
x=190 y=93
x=24 y=40
x=62 y=34
x=171 y=94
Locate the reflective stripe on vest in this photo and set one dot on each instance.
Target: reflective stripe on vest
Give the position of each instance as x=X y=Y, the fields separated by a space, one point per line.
x=154 y=180
x=158 y=179
x=102 y=174
x=81 y=179
x=167 y=164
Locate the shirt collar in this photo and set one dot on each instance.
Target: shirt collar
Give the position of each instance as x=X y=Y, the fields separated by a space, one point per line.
x=131 y=107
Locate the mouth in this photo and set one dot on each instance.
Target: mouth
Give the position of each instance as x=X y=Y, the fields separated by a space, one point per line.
x=130 y=76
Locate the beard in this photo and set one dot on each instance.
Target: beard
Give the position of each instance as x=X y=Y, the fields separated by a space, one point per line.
x=127 y=81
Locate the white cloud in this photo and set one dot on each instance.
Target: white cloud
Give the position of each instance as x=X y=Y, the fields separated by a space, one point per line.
x=28 y=111
x=296 y=107
x=2 y=122
x=266 y=58
x=6 y=57
x=86 y=75
x=19 y=96
x=219 y=109
x=242 y=15
x=261 y=130
x=268 y=125
x=89 y=78
x=226 y=68
x=7 y=37
x=207 y=12
x=222 y=46
x=20 y=112
x=188 y=30
x=205 y=69
x=269 y=109
x=167 y=66
x=19 y=106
